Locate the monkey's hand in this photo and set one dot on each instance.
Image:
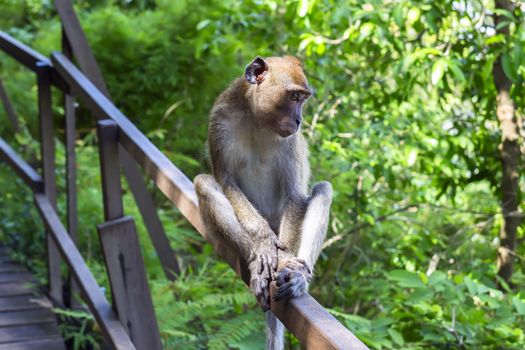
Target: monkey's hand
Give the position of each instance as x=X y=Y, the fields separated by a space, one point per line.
x=263 y=262
x=293 y=278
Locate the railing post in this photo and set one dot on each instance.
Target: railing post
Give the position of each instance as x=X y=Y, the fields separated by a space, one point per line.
x=86 y=60
x=71 y=174
x=9 y=110
x=121 y=248
x=47 y=148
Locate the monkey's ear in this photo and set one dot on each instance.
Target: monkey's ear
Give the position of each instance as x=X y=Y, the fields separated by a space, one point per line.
x=256 y=71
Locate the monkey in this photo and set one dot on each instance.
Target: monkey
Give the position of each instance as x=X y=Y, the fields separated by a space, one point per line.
x=257 y=196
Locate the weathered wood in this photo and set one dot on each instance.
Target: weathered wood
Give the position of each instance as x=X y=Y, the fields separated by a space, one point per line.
x=17 y=277
x=149 y=215
x=79 y=44
x=19 y=333
x=21 y=52
x=12 y=289
x=28 y=57
x=9 y=110
x=71 y=176
x=12 y=268
x=47 y=150
x=52 y=343
x=26 y=317
x=22 y=302
x=24 y=170
x=319 y=329
x=121 y=247
x=88 y=64
x=111 y=327
x=109 y=164
x=128 y=280
x=180 y=190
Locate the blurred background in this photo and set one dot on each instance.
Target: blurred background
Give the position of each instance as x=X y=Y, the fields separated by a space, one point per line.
x=416 y=120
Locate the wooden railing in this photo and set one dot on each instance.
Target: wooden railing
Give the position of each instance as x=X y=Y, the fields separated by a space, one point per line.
x=129 y=321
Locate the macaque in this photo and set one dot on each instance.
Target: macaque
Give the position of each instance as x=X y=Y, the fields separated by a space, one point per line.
x=258 y=195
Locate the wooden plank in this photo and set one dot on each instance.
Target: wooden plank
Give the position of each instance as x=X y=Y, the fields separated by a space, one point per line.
x=12 y=268
x=111 y=327
x=319 y=329
x=15 y=288
x=23 y=302
x=129 y=284
x=47 y=150
x=71 y=176
x=24 y=170
x=28 y=57
x=52 y=343
x=109 y=165
x=9 y=110
x=79 y=43
x=149 y=214
x=25 y=317
x=7 y=260
x=23 y=277
x=180 y=190
x=28 y=332
x=21 y=52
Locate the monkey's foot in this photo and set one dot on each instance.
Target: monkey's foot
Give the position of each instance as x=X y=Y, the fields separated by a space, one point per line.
x=292 y=279
x=262 y=265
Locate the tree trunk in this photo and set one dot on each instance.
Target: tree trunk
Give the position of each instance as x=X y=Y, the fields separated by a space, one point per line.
x=510 y=155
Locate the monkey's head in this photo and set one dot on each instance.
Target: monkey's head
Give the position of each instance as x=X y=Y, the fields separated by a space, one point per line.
x=277 y=89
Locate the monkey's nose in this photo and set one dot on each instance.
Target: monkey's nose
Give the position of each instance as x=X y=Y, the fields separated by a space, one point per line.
x=298 y=121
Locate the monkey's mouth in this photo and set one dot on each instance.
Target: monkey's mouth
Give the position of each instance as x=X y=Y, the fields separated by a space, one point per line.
x=288 y=130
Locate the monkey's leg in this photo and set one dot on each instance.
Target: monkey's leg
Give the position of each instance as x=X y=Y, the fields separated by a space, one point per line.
x=219 y=217
x=295 y=273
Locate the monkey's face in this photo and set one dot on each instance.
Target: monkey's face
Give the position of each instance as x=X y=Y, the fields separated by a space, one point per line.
x=279 y=90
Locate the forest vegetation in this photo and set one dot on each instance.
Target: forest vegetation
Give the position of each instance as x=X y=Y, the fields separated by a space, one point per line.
x=416 y=120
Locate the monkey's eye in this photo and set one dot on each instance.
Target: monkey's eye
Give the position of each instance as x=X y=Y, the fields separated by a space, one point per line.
x=295 y=96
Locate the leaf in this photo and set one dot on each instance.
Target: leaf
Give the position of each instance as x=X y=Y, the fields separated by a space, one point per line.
x=519 y=305
x=396 y=336
x=406 y=279
x=398 y=15
x=453 y=65
x=302 y=9
x=437 y=277
x=202 y=24
x=500 y=38
x=471 y=285
x=508 y=68
x=438 y=69
x=412 y=157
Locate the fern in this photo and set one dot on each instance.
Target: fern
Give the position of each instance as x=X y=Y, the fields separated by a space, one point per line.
x=235 y=330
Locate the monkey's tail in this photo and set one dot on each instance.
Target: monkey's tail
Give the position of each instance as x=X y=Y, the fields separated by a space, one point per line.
x=274 y=332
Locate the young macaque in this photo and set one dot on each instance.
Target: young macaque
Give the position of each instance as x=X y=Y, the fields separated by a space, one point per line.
x=258 y=195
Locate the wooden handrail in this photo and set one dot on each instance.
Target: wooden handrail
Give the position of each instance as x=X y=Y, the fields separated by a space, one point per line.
x=304 y=317
x=24 y=170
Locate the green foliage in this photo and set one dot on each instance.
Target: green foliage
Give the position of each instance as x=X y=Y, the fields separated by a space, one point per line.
x=77 y=326
x=402 y=123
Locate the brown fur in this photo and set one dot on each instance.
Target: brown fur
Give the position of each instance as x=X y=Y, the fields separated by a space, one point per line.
x=258 y=196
